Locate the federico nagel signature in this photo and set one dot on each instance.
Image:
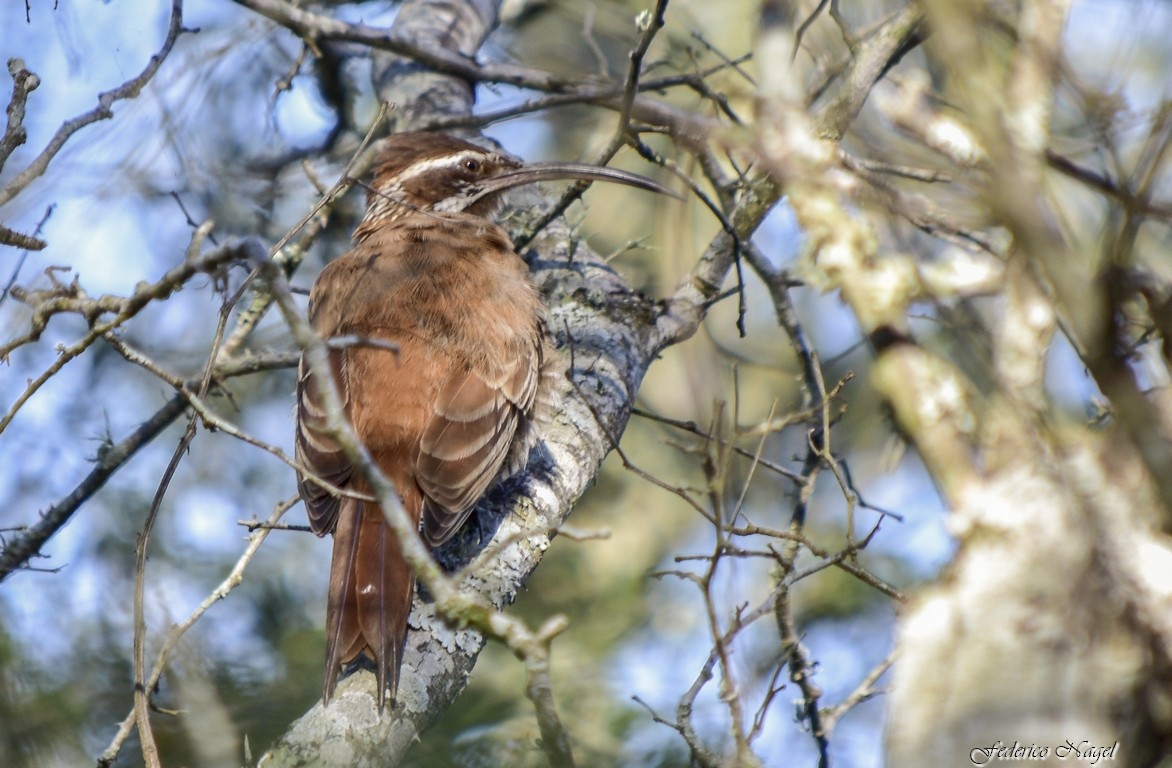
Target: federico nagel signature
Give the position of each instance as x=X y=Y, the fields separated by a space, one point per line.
x=1069 y=750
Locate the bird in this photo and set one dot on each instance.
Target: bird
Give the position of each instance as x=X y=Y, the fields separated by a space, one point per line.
x=447 y=369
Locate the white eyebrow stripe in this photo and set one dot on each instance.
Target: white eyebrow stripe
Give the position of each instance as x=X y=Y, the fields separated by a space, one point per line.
x=444 y=161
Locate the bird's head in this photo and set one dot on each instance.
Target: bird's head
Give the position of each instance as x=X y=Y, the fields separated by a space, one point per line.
x=436 y=172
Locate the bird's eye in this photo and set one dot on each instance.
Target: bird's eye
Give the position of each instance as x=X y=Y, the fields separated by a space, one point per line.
x=471 y=165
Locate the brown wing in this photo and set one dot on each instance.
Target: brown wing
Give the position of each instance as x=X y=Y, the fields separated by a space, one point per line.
x=317 y=451
x=476 y=418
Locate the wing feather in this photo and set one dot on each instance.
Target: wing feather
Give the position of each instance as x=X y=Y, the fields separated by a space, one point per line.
x=317 y=451
x=475 y=420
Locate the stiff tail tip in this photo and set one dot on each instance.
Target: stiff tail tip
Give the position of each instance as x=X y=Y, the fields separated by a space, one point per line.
x=370 y=593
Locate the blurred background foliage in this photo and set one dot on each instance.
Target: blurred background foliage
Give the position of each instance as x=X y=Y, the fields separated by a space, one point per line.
x=213 y=137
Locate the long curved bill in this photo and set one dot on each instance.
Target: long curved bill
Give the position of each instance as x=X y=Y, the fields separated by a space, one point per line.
x=534 y=172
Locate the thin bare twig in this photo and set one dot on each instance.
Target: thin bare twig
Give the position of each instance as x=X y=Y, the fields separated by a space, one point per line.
x=649 y=23
x=864 y=691
x=213 y=420
x=21 y=549
x=234 y=578
x=24 y=255
x=71 y=299
x=311 y=225
x=801 y=673
x=150 y=751
x=692 y=428
x=104 y=111
x=141 y=692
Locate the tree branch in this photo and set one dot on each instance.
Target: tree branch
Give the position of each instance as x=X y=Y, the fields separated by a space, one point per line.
x=106 y=100
x=20 y=549
x=24 y=82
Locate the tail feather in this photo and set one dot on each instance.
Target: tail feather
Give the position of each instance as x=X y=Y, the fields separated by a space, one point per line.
x=384 y=588
x=343 y=634
x=371 y=588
